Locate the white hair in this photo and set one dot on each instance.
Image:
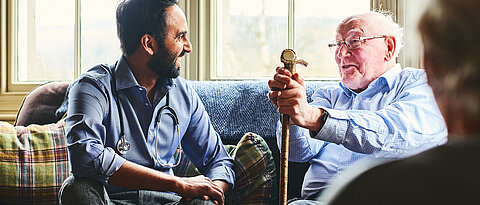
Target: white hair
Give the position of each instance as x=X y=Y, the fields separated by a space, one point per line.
x=387 y=19
x=395 y=29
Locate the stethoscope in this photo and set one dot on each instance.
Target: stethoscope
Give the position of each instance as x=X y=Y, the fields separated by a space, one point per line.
x=123 y=146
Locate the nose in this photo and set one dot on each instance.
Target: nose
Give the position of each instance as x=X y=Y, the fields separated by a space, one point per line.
x=187 y=46
x=342 y=51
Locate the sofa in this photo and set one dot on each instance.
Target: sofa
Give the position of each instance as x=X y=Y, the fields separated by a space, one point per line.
x=34 y=159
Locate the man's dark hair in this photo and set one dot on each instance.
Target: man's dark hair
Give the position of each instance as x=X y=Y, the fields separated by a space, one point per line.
x=136 y=18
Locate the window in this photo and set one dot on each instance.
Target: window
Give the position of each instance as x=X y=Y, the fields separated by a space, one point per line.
x=53 y=40
x=250 y=37
x=56 y=46
x=45 y=40
x=99 y=43
x=251 y=34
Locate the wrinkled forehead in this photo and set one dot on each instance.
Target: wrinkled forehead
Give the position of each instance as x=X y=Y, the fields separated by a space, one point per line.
x=355 y=25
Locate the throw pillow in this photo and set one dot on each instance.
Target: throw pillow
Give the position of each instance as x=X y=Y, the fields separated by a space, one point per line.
x=40 y=105
x=33 y=163
x=256 y=180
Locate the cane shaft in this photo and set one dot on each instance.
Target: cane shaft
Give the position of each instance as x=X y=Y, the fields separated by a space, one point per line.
x=289 y=60
x=284 y=151
x=284 y=160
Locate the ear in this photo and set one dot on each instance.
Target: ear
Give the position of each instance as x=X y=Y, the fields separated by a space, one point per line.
x=148 y=44
x=391 y=47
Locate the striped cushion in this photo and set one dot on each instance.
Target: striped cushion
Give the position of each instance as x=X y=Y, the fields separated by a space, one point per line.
x=33 y=163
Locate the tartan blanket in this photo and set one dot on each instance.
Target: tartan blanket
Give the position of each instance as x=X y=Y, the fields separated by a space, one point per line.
x=256 y=180
x=33 y=163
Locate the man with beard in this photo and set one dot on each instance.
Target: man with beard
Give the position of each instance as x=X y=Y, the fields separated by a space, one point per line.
x=126 y=121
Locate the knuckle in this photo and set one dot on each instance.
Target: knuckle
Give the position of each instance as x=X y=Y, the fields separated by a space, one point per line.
x=270 y=82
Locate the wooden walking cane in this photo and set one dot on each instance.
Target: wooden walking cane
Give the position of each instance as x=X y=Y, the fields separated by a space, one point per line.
x=289 y=60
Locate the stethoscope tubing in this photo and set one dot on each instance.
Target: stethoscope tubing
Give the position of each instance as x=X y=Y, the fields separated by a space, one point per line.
x=123 y=146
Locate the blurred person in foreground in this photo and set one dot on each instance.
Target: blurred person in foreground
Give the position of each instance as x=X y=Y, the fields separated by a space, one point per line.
x=448 y=174
x=378 y=110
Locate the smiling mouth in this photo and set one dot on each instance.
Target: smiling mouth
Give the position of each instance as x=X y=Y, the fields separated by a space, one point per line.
x=348 y=66
x=181 y=54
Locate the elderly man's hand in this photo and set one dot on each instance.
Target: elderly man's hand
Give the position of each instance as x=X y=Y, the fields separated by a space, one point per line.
x=289 y=96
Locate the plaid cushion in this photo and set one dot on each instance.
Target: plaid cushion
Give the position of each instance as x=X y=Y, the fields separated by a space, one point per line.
x=33 y=163
x=255 y=170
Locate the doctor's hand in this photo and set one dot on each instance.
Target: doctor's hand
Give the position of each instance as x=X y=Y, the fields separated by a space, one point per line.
x=201 y=187
x=289 y=96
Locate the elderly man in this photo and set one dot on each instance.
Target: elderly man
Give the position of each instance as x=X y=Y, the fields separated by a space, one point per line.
x=447 y=174
x=379 y=110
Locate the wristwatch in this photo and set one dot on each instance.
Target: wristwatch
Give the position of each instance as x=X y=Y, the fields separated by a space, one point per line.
x=324 y=117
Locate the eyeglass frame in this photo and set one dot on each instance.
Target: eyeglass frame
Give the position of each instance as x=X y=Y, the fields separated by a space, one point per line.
x=349 y=46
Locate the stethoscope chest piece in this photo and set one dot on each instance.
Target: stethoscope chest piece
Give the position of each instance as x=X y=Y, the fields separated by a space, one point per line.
x=123 y=146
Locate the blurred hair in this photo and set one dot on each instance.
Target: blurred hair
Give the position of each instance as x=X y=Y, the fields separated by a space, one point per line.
x=385 y=18
x=451 y=31
x=136 y=18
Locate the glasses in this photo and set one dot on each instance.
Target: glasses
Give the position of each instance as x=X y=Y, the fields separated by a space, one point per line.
x=352 y=42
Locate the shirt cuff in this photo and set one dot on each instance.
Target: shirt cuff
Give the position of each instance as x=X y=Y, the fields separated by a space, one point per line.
x=224 y=173
x=335 y=127
x=111 y=163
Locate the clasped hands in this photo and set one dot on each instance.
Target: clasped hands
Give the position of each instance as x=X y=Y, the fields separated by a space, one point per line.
x=288 y=94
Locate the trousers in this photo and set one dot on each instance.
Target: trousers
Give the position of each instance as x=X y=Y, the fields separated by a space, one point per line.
x=76 y=190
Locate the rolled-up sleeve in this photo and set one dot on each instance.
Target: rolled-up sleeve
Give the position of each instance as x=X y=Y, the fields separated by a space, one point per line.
x=86 y=134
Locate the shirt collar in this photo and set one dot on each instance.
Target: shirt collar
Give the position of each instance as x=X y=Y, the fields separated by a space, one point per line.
x=123 y=75
x=387 y=78
x=391 y=75
x=125 y=78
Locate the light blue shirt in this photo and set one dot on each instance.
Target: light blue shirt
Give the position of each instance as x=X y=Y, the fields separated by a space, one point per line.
x=93 y=127
x=395 y=117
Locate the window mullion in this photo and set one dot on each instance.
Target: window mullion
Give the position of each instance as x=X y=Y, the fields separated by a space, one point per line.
x=77 y=40
x=291 y=23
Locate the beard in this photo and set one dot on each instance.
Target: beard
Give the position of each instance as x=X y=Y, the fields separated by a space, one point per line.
x=163 y=63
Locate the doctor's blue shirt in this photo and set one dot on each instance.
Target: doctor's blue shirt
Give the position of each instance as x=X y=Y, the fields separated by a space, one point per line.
x=93 y=126
x=395 y=117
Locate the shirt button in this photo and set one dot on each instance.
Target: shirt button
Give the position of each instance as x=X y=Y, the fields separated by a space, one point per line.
x=140 y=89
x=146 y=104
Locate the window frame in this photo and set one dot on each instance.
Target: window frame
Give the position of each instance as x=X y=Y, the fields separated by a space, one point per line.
x=205 y=14
x=9 y=99
x=198 y=65
x=11 y=17
x=12 y=91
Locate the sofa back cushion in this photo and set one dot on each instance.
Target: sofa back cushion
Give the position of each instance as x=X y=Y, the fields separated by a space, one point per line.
x=238 y=107
x=40 y=104
x=33 y=163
